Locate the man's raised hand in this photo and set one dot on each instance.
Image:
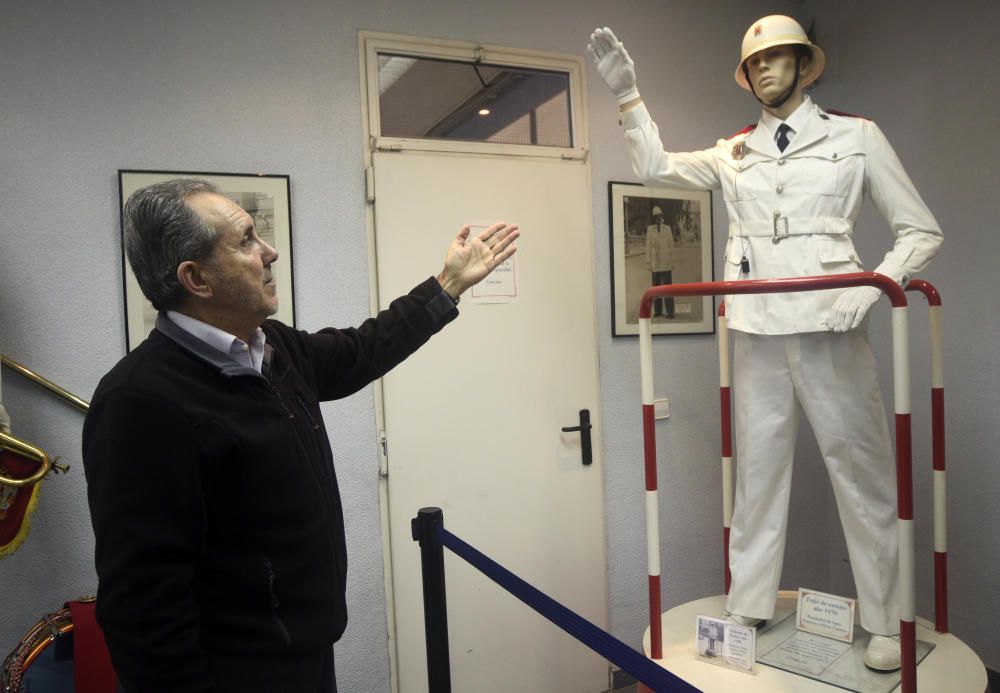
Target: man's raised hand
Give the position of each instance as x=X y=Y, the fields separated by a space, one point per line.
x=614 y=63
x=469 y=260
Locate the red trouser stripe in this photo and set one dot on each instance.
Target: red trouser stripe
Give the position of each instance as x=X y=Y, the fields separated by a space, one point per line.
x=941 y=592
x=937 y=426
x=904 y=472
x=655 y=619
x=649 y=437
x=908 y=641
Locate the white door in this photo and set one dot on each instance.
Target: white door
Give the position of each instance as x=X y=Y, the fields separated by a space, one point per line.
x=473 y=420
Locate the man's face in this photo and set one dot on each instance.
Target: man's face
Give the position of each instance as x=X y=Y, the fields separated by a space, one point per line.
x=657 y=219
x=772 y=71
x=239 y=268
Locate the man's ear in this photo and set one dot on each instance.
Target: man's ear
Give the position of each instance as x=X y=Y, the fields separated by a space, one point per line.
x=805 y=65
x=193 y=277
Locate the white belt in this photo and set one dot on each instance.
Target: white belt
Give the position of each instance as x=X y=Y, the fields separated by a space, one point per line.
x=779 y=227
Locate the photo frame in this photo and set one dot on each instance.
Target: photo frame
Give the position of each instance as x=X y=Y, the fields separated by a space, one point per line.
x=680 y=252
x=726 y=644
x=264 y=197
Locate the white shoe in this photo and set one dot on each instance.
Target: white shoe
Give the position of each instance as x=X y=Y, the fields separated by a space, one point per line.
x=882 y=653
x=748 y=621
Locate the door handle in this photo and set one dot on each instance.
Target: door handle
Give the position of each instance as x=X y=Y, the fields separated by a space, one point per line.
x=584 y=428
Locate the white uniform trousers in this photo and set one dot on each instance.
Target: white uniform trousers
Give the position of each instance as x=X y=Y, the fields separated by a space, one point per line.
x=832 y=377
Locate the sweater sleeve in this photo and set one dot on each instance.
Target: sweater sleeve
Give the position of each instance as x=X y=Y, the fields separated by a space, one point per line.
x=345 y=360
x=148 y=509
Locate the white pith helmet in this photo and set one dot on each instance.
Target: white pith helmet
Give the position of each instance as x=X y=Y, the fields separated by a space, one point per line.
x=657 y=210
x=779 y=30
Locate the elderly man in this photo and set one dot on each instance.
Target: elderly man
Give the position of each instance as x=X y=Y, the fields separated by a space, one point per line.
x=793 y=185
x=220 y=533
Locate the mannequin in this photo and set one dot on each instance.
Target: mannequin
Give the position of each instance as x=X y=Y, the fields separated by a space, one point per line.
x=793 y=185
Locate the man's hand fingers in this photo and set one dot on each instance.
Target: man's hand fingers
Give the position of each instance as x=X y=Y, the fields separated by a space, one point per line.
x=507 y=237
x=488 y=232
x=496 y=232
x=499 y=259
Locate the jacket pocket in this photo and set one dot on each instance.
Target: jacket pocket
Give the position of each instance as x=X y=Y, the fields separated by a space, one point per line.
x=839 y=255
x=828 y=173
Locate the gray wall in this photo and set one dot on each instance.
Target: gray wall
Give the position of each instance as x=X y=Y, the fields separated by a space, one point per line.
x=929 y=77
x=249 y=86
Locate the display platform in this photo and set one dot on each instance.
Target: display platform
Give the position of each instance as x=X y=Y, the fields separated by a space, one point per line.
x=950 y=665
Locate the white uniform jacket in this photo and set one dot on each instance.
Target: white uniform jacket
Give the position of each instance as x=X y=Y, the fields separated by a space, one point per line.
x=792 y=214
x=659 y=248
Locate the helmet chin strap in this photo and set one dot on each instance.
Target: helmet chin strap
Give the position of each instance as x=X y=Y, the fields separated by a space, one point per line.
x=780 y=101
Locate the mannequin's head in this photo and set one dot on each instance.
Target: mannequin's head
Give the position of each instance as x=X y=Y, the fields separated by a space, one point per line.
x=776 y=51
x=775 y=74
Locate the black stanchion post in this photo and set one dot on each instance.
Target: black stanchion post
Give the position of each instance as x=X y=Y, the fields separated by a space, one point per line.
x=424 y=528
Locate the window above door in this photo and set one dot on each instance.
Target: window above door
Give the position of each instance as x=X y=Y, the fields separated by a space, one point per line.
x=449 y=96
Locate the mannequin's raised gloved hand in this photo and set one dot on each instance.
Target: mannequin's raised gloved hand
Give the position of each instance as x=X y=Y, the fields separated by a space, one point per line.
x=851 y=307
x=614 y=63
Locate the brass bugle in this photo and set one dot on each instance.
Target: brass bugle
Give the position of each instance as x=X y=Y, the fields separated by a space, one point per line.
x=9 y=442
x=81 y=404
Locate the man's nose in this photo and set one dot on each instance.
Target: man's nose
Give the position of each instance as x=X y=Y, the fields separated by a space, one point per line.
x=268 y=253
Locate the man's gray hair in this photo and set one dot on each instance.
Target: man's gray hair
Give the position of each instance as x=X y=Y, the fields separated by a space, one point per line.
x=161 y=232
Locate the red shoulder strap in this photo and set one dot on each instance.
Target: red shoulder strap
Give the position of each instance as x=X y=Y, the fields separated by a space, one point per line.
x=748 y=128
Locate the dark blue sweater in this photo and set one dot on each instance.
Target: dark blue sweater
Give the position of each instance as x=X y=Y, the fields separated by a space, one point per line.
x=219 y=526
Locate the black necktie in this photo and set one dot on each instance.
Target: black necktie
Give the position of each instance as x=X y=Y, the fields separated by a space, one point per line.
x=782 y=140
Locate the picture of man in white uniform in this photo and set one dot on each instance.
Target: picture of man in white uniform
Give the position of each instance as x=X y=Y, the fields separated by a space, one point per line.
x=660 y=261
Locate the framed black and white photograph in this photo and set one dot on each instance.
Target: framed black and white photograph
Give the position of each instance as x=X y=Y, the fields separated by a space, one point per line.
x=660 y=236
x=264 y=197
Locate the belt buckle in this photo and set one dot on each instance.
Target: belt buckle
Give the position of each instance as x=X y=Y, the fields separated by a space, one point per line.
x=779 y=233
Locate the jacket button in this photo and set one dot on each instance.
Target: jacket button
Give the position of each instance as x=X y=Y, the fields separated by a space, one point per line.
x=780 y=189
x=781 y=162
x=835 y=156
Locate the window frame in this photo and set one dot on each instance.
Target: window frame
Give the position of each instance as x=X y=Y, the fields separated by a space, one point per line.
x=372 y=44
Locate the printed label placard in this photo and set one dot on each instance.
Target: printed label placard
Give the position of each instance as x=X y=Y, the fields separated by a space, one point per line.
x=825 y=614
x=726 y=644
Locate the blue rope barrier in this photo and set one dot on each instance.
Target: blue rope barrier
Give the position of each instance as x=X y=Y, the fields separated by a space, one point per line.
x=601 y=642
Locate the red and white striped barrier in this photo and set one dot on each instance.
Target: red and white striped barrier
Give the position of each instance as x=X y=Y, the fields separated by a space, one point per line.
x=938 y=455
x=652 y=503
x=726 y=411
x=904 y=476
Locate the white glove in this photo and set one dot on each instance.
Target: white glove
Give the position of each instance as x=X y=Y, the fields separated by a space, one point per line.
x=614 y=63
x=850 y=309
